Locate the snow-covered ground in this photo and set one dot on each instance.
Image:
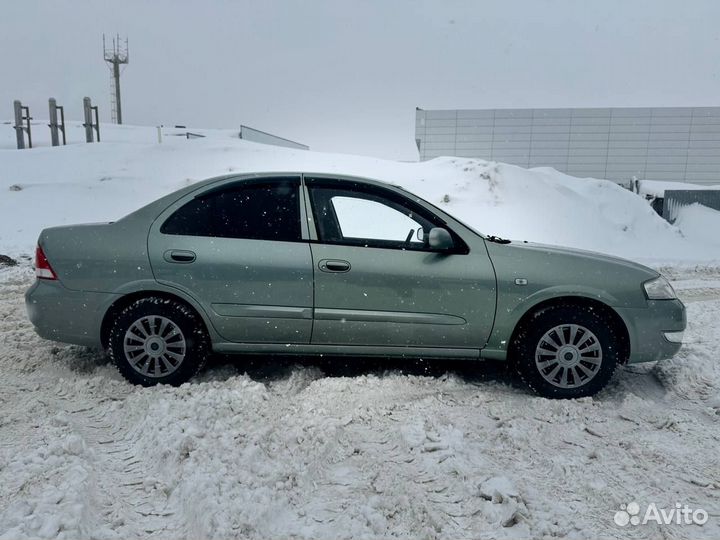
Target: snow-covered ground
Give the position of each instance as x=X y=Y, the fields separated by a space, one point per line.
x=101 y=182
x=351 y=449
x=264 y=448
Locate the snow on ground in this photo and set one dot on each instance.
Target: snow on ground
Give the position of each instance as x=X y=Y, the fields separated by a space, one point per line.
x=102 y=182
x=265 y=448
x=701 y=224
x=337 y=449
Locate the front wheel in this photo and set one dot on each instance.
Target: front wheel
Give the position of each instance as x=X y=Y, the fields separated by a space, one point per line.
x=158 y=341
x=566 y=351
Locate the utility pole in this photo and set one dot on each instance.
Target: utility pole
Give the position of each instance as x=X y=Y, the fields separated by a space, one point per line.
x=19 y=124
x=55 y=126
x=91 y=124
x=22 y=124
x=116 y=55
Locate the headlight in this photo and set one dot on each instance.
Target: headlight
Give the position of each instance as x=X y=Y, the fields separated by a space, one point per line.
x=659 y=289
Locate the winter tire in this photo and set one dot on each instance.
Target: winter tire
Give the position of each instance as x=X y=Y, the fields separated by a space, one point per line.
x=566 y=351
x=158 y=341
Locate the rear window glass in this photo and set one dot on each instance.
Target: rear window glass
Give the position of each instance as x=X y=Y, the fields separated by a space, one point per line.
x=259 y=212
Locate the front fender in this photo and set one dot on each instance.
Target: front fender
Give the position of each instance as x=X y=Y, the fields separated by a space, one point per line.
x=513 y=306
x=558 y=291
x=529 y=274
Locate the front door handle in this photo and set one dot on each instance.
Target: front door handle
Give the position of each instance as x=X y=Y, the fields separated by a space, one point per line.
x=334 y=265
x=179 y=256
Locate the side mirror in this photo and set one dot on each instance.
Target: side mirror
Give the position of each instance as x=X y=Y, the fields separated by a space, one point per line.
x=440 y=239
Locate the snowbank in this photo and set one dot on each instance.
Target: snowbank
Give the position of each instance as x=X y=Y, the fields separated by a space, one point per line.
x=101 y=182
x=700 y=224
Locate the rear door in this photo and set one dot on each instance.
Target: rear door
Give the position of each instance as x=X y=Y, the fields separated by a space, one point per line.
x=238 y=249
x=377 y=283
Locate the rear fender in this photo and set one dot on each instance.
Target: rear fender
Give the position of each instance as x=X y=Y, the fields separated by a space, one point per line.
x=145 y=288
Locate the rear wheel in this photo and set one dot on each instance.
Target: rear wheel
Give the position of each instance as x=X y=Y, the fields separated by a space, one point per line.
x=566 y=351
x=158 y=341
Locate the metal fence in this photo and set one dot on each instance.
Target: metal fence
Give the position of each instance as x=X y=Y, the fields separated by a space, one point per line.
x=676 y=199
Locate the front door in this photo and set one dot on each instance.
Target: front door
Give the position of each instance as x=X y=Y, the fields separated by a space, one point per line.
x=378 y=283
x=238 y=250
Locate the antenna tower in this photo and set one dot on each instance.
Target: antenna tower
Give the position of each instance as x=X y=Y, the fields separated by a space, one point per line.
x=116 y=55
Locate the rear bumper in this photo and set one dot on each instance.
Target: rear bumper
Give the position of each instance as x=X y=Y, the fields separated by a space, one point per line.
x=60 y=314
x=647 y=328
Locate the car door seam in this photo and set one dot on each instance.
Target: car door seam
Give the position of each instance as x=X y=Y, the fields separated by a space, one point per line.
x=308 y=210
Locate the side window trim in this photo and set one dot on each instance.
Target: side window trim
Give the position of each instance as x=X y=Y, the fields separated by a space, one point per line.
x=306 y=211
x=328 y=225
x=305 y=234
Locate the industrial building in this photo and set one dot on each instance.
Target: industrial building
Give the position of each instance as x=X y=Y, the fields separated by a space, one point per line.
x=679 y=144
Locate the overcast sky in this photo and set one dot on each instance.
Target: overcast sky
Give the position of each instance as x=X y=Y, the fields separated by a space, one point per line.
x=346 y=76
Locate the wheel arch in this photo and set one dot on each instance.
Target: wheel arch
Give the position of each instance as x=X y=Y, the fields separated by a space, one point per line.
x=576 y=301
x=121 y=303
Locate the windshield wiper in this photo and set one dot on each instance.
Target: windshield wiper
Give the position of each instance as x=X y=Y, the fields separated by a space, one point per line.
x=497 y=239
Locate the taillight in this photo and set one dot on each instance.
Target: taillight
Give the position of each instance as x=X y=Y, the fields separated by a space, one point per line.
x=43 y=270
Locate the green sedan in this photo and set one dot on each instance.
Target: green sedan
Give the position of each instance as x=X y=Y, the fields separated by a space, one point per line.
x=325 y=264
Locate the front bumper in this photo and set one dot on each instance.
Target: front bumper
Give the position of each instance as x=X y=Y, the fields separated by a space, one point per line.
x=648 y=327
x=61 y=314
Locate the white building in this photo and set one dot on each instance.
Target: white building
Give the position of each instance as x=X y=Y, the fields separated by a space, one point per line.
x=676 y=144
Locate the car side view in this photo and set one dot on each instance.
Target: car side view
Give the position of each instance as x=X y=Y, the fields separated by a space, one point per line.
x=327 y=264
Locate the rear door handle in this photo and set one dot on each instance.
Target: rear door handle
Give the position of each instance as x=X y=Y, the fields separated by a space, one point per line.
x=179 y=256
x=334 y=265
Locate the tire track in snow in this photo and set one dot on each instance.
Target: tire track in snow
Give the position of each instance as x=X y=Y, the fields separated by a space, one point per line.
x=382 y=456
x=130 y=499
x=121 y=495
x=699 y=295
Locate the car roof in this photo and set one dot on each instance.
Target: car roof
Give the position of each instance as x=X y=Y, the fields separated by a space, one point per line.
x=151 y=210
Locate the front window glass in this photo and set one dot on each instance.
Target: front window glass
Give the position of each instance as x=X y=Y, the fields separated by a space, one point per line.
x=371 y=220
x=368 y=218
